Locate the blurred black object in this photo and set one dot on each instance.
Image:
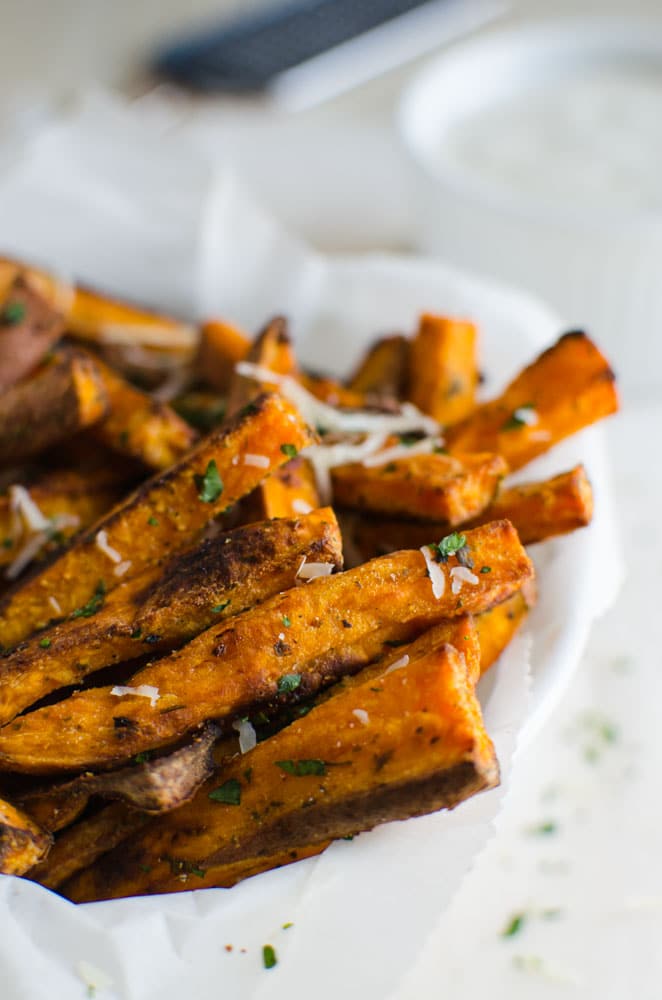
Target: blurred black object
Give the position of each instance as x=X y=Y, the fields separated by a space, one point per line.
x=247 y=54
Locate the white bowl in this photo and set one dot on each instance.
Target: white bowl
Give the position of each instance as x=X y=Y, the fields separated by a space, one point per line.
x=599 y=267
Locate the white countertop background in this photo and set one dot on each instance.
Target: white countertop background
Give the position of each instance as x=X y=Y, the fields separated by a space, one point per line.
x=590 y=890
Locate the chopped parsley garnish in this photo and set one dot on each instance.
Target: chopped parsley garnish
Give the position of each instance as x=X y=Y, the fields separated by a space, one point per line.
x=94 y=604
x=449 y=546
x=286 y=621
x=229 y=793
x=137 y=632
x=290 y=450
x=200 y=872
x=153 y=521
x=13 y=313
x=516 y=419
x=486 y=569
x=210 y=486
x=408 y=439
x=145 y=868
x=220 y=607
x=287 y=926
x=142 y=757
x=269 y=956
x=302 y=768
x=545 y=829
x=44 y=643
x=514 y=926
x=288 y=683
x=7 y=543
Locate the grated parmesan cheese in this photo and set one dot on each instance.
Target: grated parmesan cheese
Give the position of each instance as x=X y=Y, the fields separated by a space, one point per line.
x=461 y=575
x=259 y=461
x=398 y=665
x=435 y=572
x=22 y=505
x=123 y=567
x=142 y=691
x=361 y=715
x=102 y=543
x=526 y=415
x=55 y=604
x=300 y=506
x=247 y=734
x=310 y=571
x=169 y=336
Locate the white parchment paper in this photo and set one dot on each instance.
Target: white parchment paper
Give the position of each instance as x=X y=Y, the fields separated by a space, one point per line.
x=125 y=203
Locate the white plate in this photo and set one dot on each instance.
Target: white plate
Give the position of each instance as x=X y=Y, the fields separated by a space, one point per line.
x=128 y=211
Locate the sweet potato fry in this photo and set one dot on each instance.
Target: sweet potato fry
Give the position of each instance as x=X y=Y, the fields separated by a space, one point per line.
x=312 y=635
x=22 y=842
x=83 y=843
x=334 y=393
x=383 y=370
x=62 y=397
x=538 y=511
x=544 y=509
x=152 y=786
x=221 y=346
x=165 y=515
x=291 y=490
x=566 y=388
x=29 y=328
x=410 y=742
x=430 y=487
x=139 y=426
x=272 y=349
x=497 y=626
x=167 y=605
x=443 y=369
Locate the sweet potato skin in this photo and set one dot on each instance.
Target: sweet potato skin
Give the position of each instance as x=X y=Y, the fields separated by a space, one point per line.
x=22 y=842
x=167 y=605
x=63 y=397
x=421 y=746
x=337 y=625
x=568 y=387
x=432 y=487
x=25 y=339
x=443 y=368
x=164 y=515
x=139 y=426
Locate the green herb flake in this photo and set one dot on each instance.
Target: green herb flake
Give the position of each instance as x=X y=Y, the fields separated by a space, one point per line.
x=288 y=683
x=142 y=757
x=44 y=643
x=486 y=569
x=229 y=793
x=514 y=926
x=269 y=956
x=94 y=604
x=408 y=439
x=13 y=313
x=545 y=829
x=287 y=926
x=210 y=486
x=137 y=632
x=290 y=450
x=220 y=607
x=286 y=621
x=7 y=543
x=302 y=768
x=145 y=868
x=200 y=872
x=450 y=545
x=153 y=521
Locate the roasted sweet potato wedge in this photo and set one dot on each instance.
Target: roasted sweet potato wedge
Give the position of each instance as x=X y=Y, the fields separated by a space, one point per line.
x=383 y=370
x=272 y=349
x=334 y=393
x=497 y=626
x=29 y=328
x=565 y=389
x=165 y=515
x=221 y=346
x=139 y=426
x=443 y=368
x=310 y=635
x=22 y=842
x=544 y=509
x=432 y=487
x=167 y=605
x=290 y=491
x=64 y=396
x=410 y=742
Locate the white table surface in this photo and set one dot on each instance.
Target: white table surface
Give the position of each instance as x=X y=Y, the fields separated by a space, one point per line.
x=590 y=889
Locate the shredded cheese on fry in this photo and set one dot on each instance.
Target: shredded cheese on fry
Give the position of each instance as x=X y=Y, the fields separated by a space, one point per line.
x=310 y=571
x=102 y=543
x=142 y=691
x=123 y=567
x=55 y=604
x=247 y=734
x=259 y=461
x=435 y=572
x=461 y=575
x=361 y=715
x=300 y=506
x=398 y=665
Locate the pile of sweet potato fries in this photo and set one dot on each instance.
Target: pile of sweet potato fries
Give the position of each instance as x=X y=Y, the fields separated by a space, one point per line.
x=245 y=607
